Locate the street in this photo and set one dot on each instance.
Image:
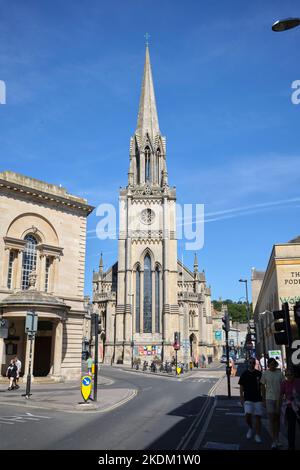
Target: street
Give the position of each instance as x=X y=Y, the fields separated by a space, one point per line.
x=166 y=413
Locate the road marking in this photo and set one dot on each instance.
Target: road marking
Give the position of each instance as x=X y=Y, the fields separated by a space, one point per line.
x=221 y=446
x=194 y=426
x=22 y=418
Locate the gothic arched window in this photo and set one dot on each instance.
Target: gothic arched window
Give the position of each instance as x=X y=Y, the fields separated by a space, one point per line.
x=29 y=259
x=137 y=166
x=157 y=165
x=147 y=295
x=137 y=299
x=157 y=300
x=147 y=164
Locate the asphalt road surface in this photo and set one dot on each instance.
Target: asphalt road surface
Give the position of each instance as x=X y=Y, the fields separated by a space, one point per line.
x=166 y=414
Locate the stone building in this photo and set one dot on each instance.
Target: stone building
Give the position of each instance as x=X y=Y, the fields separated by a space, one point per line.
x=42 y=259
x=148 y=294
x=271 y=288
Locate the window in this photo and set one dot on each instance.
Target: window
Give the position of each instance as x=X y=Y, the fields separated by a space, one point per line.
x=137 y=300
x=157 y=300
x=137 y=167
x=157 y=165
x=29 y=259
x=48 y=263
x=10 y=269
x=147 y=164
x=147 y=295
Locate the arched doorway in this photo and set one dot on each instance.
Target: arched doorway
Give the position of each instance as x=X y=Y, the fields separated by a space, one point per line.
x=193 y=347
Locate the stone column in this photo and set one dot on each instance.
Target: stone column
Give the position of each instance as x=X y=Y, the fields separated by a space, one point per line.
x=19 y=269
x=5 y=266
x=42 y=272
x=141 y=302
x=2 y=354
x=153 y=301
x=53 y=279
x=58 y=343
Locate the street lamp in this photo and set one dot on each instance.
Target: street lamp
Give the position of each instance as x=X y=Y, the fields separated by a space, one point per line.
x=247 y=300
x=262 y=331
x=132 y=342
x=284 y=25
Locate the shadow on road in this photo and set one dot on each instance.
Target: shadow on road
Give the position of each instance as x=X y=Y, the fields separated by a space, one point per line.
x=171 y=439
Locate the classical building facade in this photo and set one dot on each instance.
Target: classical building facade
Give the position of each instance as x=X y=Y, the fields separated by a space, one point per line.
x=148 y=294
x=42 y=259
x=271 y=288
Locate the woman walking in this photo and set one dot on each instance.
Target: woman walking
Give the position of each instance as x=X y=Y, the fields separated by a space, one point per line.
x=290 y=410
x=11 y=374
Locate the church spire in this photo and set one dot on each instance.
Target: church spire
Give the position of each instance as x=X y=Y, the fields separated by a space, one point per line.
x=147 y=117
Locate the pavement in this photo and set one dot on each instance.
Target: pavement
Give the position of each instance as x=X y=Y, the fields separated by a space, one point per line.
x=189 y=373
x=67 y=397
x=225 y=427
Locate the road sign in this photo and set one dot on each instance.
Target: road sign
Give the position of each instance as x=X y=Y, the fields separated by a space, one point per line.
x=86 y=387
x=31 y=323
x=3 y=328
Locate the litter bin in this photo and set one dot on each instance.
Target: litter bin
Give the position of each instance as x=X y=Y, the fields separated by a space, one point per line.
x=191 y=365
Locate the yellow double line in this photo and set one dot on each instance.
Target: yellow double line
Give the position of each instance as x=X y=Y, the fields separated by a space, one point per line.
x=184 y=442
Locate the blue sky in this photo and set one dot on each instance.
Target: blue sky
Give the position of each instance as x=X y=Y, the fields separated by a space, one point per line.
x=222 y=78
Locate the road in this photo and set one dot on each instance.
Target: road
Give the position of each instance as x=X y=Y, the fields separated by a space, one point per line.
x=166 y=413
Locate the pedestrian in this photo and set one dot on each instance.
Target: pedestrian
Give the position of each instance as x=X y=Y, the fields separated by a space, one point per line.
x=271 y=383
x=90 y=363
x=19 y=367
x=263 y=362
x=290 y=409
x=257 y=364
x=11 y=374
x=232 y=366
x=203 y=359
x=251 y=399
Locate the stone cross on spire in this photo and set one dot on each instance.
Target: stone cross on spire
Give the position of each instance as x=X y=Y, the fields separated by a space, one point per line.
x=147 y=117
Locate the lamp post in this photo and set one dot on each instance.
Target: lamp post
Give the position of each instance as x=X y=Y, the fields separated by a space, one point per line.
x=132 y=342
x=247 y=300
x=261 y=321
x=248 y=310
x=284 y=25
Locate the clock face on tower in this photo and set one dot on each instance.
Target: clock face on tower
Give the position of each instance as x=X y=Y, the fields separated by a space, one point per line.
x=147 y=216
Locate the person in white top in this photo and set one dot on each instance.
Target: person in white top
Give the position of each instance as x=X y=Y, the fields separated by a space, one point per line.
x=19 y=367
x=263 y=362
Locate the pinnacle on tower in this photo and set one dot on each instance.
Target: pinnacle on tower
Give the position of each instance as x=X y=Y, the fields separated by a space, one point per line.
x=195 y=263
x=101 y=265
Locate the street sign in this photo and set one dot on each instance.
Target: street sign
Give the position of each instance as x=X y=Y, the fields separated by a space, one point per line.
x=31 y=323
x=86 y=387
x=218 y=335
x=4 y=328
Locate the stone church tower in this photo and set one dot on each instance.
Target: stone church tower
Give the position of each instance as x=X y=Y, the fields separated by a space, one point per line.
x=148 y=294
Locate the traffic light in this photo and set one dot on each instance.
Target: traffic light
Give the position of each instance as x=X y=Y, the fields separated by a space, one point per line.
x=282 y=325
x=176 y=340
x=225 y=320
x=253 y=333
x=297 y=316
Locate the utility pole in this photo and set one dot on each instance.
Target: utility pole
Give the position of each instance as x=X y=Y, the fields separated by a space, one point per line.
x=96 y=327
x=226 y=328
x=31 y=326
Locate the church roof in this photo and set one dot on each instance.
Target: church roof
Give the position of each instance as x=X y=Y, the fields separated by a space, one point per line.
x=147 y=117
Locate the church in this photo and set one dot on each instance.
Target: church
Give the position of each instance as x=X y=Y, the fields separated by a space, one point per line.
x=148 y=294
